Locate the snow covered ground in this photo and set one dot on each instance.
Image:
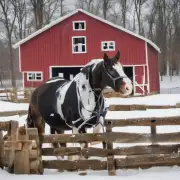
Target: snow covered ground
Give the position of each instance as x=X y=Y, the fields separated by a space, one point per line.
x=170 y=85
x=156 y=173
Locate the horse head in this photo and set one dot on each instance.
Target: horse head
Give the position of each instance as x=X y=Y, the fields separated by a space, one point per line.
x=114 y=75
x=108 y=72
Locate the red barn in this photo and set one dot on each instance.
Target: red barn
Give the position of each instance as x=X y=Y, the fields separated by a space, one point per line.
x=62 y=47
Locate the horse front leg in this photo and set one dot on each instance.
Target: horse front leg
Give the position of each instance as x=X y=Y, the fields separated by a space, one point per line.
x=98 y=129
x=82 y=145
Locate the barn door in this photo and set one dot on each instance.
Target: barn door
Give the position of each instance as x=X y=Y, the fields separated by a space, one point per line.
x=140 y=79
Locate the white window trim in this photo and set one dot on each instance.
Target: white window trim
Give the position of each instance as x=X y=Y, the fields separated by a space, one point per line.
x=79 y=22
x=102 y=42
x=73 y=37
x=35 y=73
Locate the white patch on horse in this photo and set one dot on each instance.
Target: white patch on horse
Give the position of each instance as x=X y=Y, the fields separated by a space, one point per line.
x=95 y=62
x=54 y=80
x=118 y=67
x=60 y=100
x=85 y=95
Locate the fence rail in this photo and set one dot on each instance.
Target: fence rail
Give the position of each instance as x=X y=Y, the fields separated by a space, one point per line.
x=21 y=141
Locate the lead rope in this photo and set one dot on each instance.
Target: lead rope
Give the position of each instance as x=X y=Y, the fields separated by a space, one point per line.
x=96 y=113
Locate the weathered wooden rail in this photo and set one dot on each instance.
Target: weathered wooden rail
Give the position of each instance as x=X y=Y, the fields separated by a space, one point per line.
x=132 y=107
x=12 y=94
x=135 y=107
x=160 y=149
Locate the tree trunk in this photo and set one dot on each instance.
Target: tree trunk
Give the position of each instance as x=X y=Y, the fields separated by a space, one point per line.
x=12 y=70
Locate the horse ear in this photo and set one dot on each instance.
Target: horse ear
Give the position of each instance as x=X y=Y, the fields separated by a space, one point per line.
x=105 y=57
x=117 y=56
x=107 y=61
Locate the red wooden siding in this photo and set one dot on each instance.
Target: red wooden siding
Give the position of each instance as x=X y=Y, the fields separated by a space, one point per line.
x=54 y=46
x=153 y=63
x=139 y=74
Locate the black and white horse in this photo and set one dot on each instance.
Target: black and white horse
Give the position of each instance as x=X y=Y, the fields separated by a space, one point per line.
x=77 y=104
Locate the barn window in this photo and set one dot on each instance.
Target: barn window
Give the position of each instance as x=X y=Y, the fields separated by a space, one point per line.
x=79 y=25
x=34 y=76
x=107 y=45
x=79 y=44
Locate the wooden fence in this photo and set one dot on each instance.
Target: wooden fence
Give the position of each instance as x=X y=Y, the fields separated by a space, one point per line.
x=22 y=142
x=23 y=95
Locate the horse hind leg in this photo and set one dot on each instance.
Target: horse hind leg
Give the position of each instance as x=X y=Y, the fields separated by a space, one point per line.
x=34 y=120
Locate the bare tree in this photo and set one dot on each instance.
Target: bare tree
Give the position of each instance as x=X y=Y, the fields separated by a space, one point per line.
x=8 y=16
x=150 y=18
x=138 y=4
x=174 y=37
x=22 y=20
x=161 y=32
x=38 y=8
x=106 y=5
x=92 y=6
x=53 y=7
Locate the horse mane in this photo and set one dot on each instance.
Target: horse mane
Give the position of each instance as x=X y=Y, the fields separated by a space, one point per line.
x=91 y=64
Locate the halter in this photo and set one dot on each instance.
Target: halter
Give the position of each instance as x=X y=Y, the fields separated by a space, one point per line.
x=114 y=79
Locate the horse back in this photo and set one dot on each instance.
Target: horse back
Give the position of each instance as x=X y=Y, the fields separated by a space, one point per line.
x=45 y=96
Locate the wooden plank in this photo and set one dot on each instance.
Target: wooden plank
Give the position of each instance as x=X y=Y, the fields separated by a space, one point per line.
x=33 y=154
x=36 y=166
x=12 y=113
x=99 y=152
x=75 y=165
x=153 y=133
x=12 y=145
x=1 y=150
x=133 y=107
x=148 y=160
x=149 y=149
x=119 y=137
x=126 y=107
x=61 y=151
x=11 y=153
x=148 y=121
x=21 y=159
x=4 y=126
x=110 y=157
x=17 y=145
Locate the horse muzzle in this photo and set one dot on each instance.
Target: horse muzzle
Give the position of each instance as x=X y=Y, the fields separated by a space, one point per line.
x=125 y=88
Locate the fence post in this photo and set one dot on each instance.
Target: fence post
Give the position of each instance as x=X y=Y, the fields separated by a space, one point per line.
x=110 y=158
x=21 y=159
x=36 y=164
x=1 y=150
x=153 y=131
x=10 y=154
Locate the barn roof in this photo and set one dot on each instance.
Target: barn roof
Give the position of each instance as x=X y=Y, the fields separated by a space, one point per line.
x=91 y=15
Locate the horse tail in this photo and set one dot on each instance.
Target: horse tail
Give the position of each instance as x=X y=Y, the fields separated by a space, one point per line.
x=29 y=120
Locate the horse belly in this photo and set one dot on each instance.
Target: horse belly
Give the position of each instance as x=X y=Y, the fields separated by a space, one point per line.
x=55 y=121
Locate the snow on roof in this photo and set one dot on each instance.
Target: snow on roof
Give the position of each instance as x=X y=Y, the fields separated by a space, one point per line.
x=91 y=15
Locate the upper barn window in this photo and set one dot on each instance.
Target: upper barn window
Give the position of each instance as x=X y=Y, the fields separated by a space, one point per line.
x=34 y=76
x=108 y=46
x=79 y=25
x=79 y=44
